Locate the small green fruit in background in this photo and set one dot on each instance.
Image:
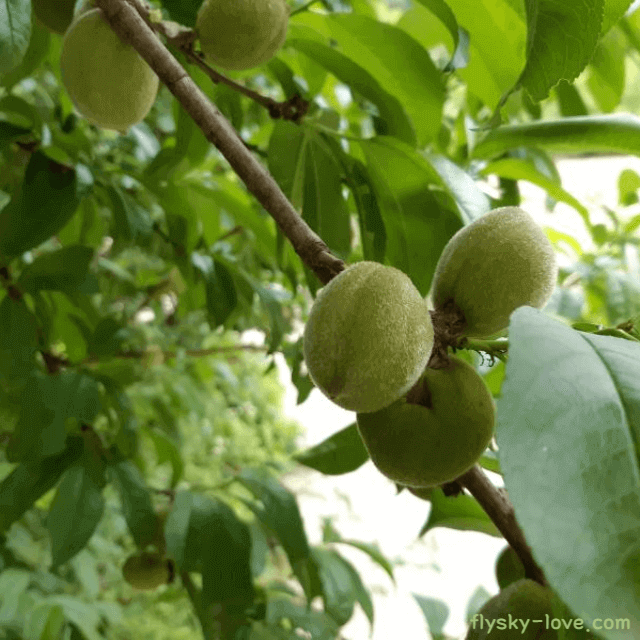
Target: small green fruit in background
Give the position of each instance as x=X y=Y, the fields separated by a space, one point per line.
x=56 y=15
x=368 y=338
x=436 y=441
x=527 y=602
x=242 y=34
x=491 y=267
x=509 y=567
x=146 y=570
x=108 y=81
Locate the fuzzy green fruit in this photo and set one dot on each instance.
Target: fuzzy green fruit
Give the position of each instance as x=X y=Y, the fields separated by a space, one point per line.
x=526 y=604
x=491 y=267
x=146 y=570
x=436 y=441
x=108 y=81
x=242 y=34
x=368 y=338
x=56 y=15
x=509 y=567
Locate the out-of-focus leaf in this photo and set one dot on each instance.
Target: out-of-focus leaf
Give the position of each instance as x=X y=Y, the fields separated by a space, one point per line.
x=340 y=453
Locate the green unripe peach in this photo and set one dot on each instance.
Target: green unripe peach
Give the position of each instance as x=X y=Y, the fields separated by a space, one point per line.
x=436 y=432
x=526 y=603
x=56 y=15
x=509 y=567
x=368 y=338
x=491 y=267
x=108 y=81
x=241 y=34
x=146 y=570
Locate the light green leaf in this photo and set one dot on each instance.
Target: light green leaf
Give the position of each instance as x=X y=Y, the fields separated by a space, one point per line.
x=569 y=417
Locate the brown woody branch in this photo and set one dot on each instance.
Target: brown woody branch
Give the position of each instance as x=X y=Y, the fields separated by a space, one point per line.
x=132 y=28
x=498 y=507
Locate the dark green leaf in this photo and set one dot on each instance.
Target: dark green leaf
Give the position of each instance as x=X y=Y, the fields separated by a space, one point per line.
x=329 y=534
x=44 y=203
x=167 y=451
x=337 y=586
x=28 y=481
x=48 y=402
x=391 y=109
x=18 y=339
x=63 y=270
x=418 y=211
x=461 y=512
x=74 y=515
x=136 y=502
x=340 y=453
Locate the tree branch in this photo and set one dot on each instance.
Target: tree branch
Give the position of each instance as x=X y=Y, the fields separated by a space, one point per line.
x=132 y=29
x=498 y=507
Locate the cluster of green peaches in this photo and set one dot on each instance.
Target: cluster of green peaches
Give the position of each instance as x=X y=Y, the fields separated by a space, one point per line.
x=113 y=87
x=370 y=336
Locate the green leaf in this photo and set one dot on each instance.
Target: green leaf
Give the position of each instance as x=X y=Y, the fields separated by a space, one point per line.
x=30 y=480
x=340 y=453
x=42 y=205
x=46 y=622
x=318 y=624
x=307 y=167
x=85 y=616
x=220 y=287
x=136 y=502
x=569 y=100
x=324 y=208
x=372 y=233
x=15 y=30
x=614 y=10
x=167 y=451
x=63 y=270
x=278 y=511
x=461 y=512
x=376 y=47
x=477 y=600
x=74 y=515
x=339 y=591
x=18 y=339
x=516 y=169
x=606 y=78
x=226 y=561
x=435 y=612
x=131 y=220
x=492 y=70
x=48 y=403
x=419 y=213
x=205 y=535
x=36 y=51
x=551 y=24
x=619 y=133
x=107 y=337
x=569 y=417
x=329 y=534
x=390 y=108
